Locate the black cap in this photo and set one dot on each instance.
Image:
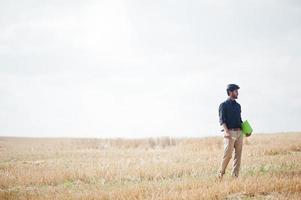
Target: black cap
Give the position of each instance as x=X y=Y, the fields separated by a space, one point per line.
x=232 y=87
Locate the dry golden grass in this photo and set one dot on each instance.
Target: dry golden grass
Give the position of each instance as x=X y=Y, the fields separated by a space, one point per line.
x=152 y=168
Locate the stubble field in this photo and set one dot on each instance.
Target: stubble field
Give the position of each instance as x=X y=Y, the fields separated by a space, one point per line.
x=151 y=168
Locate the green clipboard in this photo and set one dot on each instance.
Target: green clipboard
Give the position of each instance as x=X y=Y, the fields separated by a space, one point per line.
x=246 y=128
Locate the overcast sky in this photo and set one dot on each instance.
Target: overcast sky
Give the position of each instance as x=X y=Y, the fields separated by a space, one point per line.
x=147 y=68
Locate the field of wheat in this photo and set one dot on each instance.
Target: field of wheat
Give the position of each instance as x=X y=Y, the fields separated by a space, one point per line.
x=150 y=168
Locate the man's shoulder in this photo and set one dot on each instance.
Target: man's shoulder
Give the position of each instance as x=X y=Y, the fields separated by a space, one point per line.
x=225 y=102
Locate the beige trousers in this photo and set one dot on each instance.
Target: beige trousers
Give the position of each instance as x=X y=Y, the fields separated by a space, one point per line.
x=234 y=142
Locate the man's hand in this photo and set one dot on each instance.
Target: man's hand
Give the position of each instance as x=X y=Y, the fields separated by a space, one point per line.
x=226 y=130
x=227 y=133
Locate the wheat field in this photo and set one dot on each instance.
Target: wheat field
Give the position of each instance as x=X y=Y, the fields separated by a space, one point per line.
x=150 y=168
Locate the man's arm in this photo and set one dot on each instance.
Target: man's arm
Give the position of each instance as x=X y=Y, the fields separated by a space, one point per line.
x=240 y=114
x=222 y=114
x=225 y=127
x=222 y=119
x=226 y=130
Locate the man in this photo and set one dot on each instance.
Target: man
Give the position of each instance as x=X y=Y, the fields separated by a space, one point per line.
x=230 y=120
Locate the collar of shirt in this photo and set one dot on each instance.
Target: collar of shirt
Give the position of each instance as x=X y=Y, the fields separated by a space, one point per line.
x=230 y=100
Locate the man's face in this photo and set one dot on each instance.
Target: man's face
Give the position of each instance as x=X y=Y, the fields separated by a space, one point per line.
x=234 y=94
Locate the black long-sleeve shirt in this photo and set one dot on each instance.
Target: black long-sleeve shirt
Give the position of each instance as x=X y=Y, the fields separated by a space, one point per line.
x=230 y=113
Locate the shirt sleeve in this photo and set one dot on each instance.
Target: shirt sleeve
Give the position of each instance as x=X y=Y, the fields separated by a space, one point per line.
x=222 y=114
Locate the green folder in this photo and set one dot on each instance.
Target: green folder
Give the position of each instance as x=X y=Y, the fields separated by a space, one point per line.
x=246 y=128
